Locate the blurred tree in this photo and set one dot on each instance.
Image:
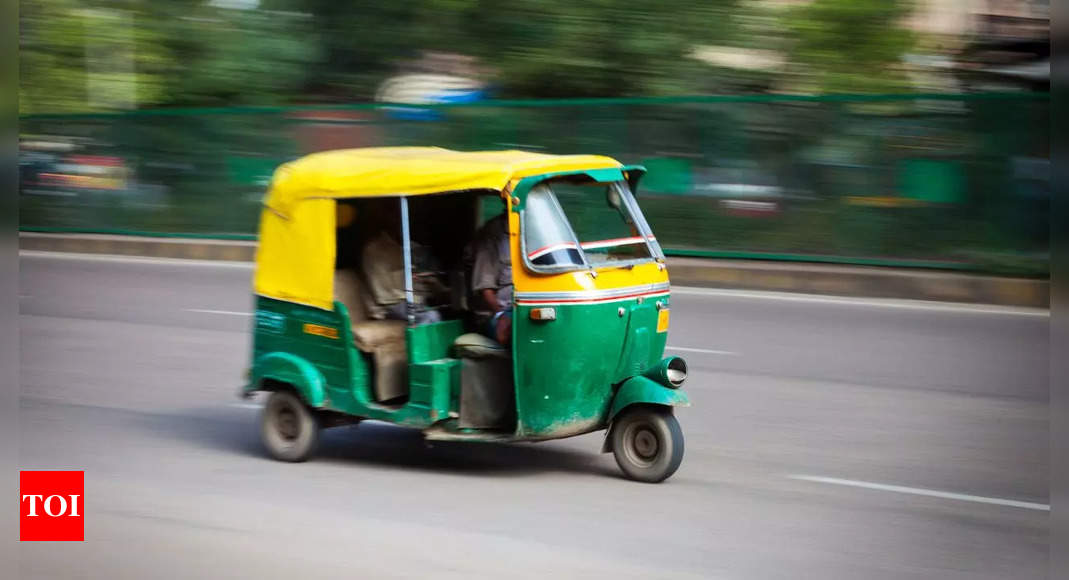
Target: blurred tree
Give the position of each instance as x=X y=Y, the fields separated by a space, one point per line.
x=238 y=55
x=78 y=55
x=598 y=48
x=364 y=40
x=849 y=46
x=538 y=48
x=225 y=52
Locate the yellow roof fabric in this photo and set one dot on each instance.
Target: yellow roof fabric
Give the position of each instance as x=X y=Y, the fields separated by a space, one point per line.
x=295 y=254
x=405 y=171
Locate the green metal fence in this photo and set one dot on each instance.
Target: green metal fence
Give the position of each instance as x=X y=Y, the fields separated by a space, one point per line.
x=947 y=181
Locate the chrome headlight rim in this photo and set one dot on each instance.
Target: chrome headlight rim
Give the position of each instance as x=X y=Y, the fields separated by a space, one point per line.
x=675 y=372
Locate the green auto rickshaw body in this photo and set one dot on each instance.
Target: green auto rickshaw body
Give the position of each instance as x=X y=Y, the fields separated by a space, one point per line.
x=572 y=374
x=565 y=397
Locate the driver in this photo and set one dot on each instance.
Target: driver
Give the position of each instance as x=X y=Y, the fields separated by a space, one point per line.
x=492 y=278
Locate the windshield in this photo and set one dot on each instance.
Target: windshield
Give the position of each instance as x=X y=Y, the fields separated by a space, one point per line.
x=570 y=224
x=548 y=238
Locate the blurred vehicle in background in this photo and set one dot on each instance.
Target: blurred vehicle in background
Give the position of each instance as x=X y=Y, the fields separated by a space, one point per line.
x=427 y=89
x=437 y=78
x=741 y=192
x=63 y=168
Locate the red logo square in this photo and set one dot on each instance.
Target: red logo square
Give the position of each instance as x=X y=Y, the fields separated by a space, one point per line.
x=52 y=506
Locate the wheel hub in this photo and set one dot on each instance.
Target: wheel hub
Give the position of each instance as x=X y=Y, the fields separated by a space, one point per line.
x=287 y=424
x=645 y=444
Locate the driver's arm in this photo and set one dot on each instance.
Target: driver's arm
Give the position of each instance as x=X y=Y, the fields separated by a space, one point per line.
x=490 y=298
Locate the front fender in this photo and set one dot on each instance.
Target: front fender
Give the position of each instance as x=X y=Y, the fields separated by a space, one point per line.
x=642 y=390
x=293 y=370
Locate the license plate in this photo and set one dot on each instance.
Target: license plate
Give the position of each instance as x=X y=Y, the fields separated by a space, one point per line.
x=662 y=321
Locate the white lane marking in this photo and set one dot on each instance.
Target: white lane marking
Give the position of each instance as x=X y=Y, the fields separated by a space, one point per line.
x=877 y=302
x=229 y=312
x=925 y=492
x=702 y=350
x=256 y=406
x=134 y=259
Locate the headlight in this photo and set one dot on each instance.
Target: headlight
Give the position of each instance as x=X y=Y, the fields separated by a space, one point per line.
x=676 y=371
x=670 y=372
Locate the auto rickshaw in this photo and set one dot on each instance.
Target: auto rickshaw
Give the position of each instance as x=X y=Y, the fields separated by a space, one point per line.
x=589 y=317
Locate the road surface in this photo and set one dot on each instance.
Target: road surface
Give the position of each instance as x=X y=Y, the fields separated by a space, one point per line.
x=827 y=439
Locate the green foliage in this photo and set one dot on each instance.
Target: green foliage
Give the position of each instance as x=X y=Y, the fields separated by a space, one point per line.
x=74 y=57
x=98 y=54
x=850 y=46
x=87 y=56
x=79 y=55
x=553 y=48
x=235 y=56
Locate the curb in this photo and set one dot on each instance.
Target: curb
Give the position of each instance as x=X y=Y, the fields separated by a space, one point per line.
x=188 y=249
x=861 y=281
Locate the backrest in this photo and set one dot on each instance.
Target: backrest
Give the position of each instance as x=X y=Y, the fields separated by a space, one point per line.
x=349 y=291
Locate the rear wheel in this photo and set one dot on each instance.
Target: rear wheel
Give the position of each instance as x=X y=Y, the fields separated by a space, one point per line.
x=647 y=443
x=288 y=427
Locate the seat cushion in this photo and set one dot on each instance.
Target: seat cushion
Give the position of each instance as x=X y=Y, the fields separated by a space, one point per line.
x=371 y=334
x=474 y=345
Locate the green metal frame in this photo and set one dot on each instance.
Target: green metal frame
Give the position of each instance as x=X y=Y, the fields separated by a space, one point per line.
x=528 y=103
x=1010 y=248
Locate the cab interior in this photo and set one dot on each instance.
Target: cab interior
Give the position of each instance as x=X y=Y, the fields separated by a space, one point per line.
x=404 y=361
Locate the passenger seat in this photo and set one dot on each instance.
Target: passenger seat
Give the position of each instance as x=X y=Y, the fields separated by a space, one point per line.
x=383 y=339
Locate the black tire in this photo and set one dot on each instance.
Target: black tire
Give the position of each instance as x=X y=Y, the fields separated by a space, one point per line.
x=288 y=428
x=647 y=443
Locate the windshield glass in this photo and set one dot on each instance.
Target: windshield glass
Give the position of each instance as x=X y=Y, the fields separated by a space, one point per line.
x=602 y=219
x=548 y=238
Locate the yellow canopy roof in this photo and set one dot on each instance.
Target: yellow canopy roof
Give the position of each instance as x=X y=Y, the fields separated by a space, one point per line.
x=405 y=171
x=295 y=254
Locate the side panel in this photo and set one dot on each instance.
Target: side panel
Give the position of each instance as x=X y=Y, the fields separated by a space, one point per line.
x=565 y=368
x=643 y=345
x=317 y=336
x=320 y=344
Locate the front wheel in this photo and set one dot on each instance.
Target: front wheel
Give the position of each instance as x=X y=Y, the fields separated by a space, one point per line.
x=647 y=443
x=288 y=428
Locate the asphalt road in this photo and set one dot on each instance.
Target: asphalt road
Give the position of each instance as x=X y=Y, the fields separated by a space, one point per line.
x=828 y=439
